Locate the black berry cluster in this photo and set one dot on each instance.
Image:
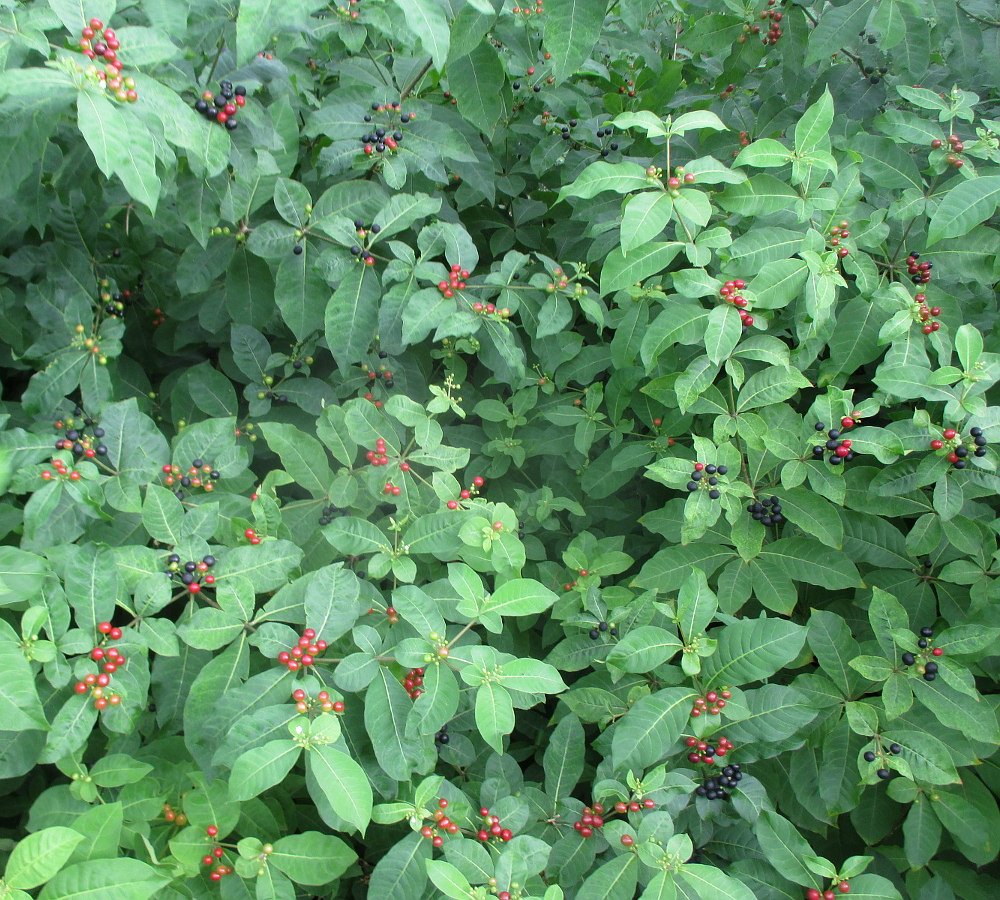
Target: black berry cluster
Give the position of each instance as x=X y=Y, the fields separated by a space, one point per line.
x=767 y=511
x=919 y=272
x=602 y=626
x=193 y=575
x=714 y=787
x=199 y=475
x=871 y=755
x=924 y=661
x=328 y=514
x=114 y=303
x=441 y=738
x=385 y=137
x=957 y=452
x=75 y=438
x=704 y=477
x=222 y=107
x=839 y=448
x=606 y=131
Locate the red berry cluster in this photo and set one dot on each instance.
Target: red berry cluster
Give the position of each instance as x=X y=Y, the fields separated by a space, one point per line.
x=830 y=894
x=350 y=11
x=597 y=814
x=385 y=138
x=455 y=282
x=925 y=314
x=955 y=147
x=304 y=653
x=680 y=177
x=468 y=493
x=111 y=660
x=713 y=703
x=414 y=680
x=199 y=475
x=377 y=457
x=957 y=452
x=774 y=30
x=77 y=441
x=98 y=41
x=393 y=489
x=61 y=470
x=698 y=479
x=919 y=272
x=839 y=448
x=373 y=376
x=213 y=858
x=704 y=752
x=251 y=535
x=492 y=828
x=537 y=9
x=222 y=107
x=305 y=704
x=730 y=292
x=193 y=575
x=442 y=825
x=263 y=55
x=565 y=283
x=837 y=234
x=489 y=309
x=177 y=819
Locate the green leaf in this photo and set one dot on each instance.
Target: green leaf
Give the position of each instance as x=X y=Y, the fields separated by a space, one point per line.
x=494 y=714
x=572 y=28
x=312 y=858
x=352 y=316
x=622 y=178
x=812 y=514
x=448 y=879
x=644 y=218
x=803 y=559
x=386 y=708
x=262 y=767
x=530 y=676
x=711 y=883
x=301 y=293
x=39 y=856
x=814 y=125
x=344 y=785
x=784 y=848
x=648 y=731
x=481 y=99
x=564 y=758
x=752 y=650
x=353 y=536
x=426 y=19
x=921 y=833
x=838 y=27
x=620 y=271
x=519 y=597
x=770 y=385
x=644 y=648
x=963 y=207
x=764 y=154
x=615 y=880
x=302 y=456
x=113 y=879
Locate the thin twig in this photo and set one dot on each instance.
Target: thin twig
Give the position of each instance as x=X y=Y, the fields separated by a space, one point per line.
x=415 y=80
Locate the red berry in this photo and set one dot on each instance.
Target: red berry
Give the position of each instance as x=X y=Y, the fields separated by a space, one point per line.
x=829 y=895
x=104 y=627
x=949 y=433
x=813 y=894
x=937 y=651
x=936 y=444
x=627 y=840
x=249 y=533
x=844 y=887
x=211 y=831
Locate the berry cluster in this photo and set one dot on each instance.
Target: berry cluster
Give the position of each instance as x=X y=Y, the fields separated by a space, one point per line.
x=870 y=756
x=955 y=147
x=606 y=131
x=596 y=815
x=710 y=483
x=767 y=511
x=373 y=377
x=925 y=666
x=305 y=704
x=925 y=314
x=115 y=303
x=730 y=293
x=327 y=515
x=350 y=11
x=714 y=787
x=492 y=828
x=251 y=535
x=537 y=9
x=111 y=660
x=565 y=283
x=88 y=343
x=222 y=107
x=837 y=234
x=393 y=489
x=713 y=703
x=388 y=138
x=843 y=886
x=704 y=752
x=774 y=30
x=565 y=130
x=98 y=41
x=919 y=272
x=442 y=737
x=529 y=73
x=193 y=575
x=377 y=457
x=199 y=475
x=468 y=493
x=304 y=653
x=61 y=470
x=489 y=309
x=839 y=448
x=442 y=825
x=455 y=282
x=602 y=626
x=414 y=680
x=77 y=441
x=213 y=858
x=951 y=441
x=177 y=819
x=361 y=253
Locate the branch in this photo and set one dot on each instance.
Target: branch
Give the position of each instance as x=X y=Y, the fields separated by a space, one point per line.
x=415 y=80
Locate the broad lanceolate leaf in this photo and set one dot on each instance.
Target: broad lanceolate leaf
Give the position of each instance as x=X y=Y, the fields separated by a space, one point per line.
x=352 y=315
x=649 y=730
x=344 y=785
x=752 y=650
x=572 y=27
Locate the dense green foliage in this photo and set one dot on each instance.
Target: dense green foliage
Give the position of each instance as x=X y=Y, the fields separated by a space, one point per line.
x=575 y=386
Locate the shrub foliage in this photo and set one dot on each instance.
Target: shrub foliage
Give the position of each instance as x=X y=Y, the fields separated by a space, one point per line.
x=457 y=449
